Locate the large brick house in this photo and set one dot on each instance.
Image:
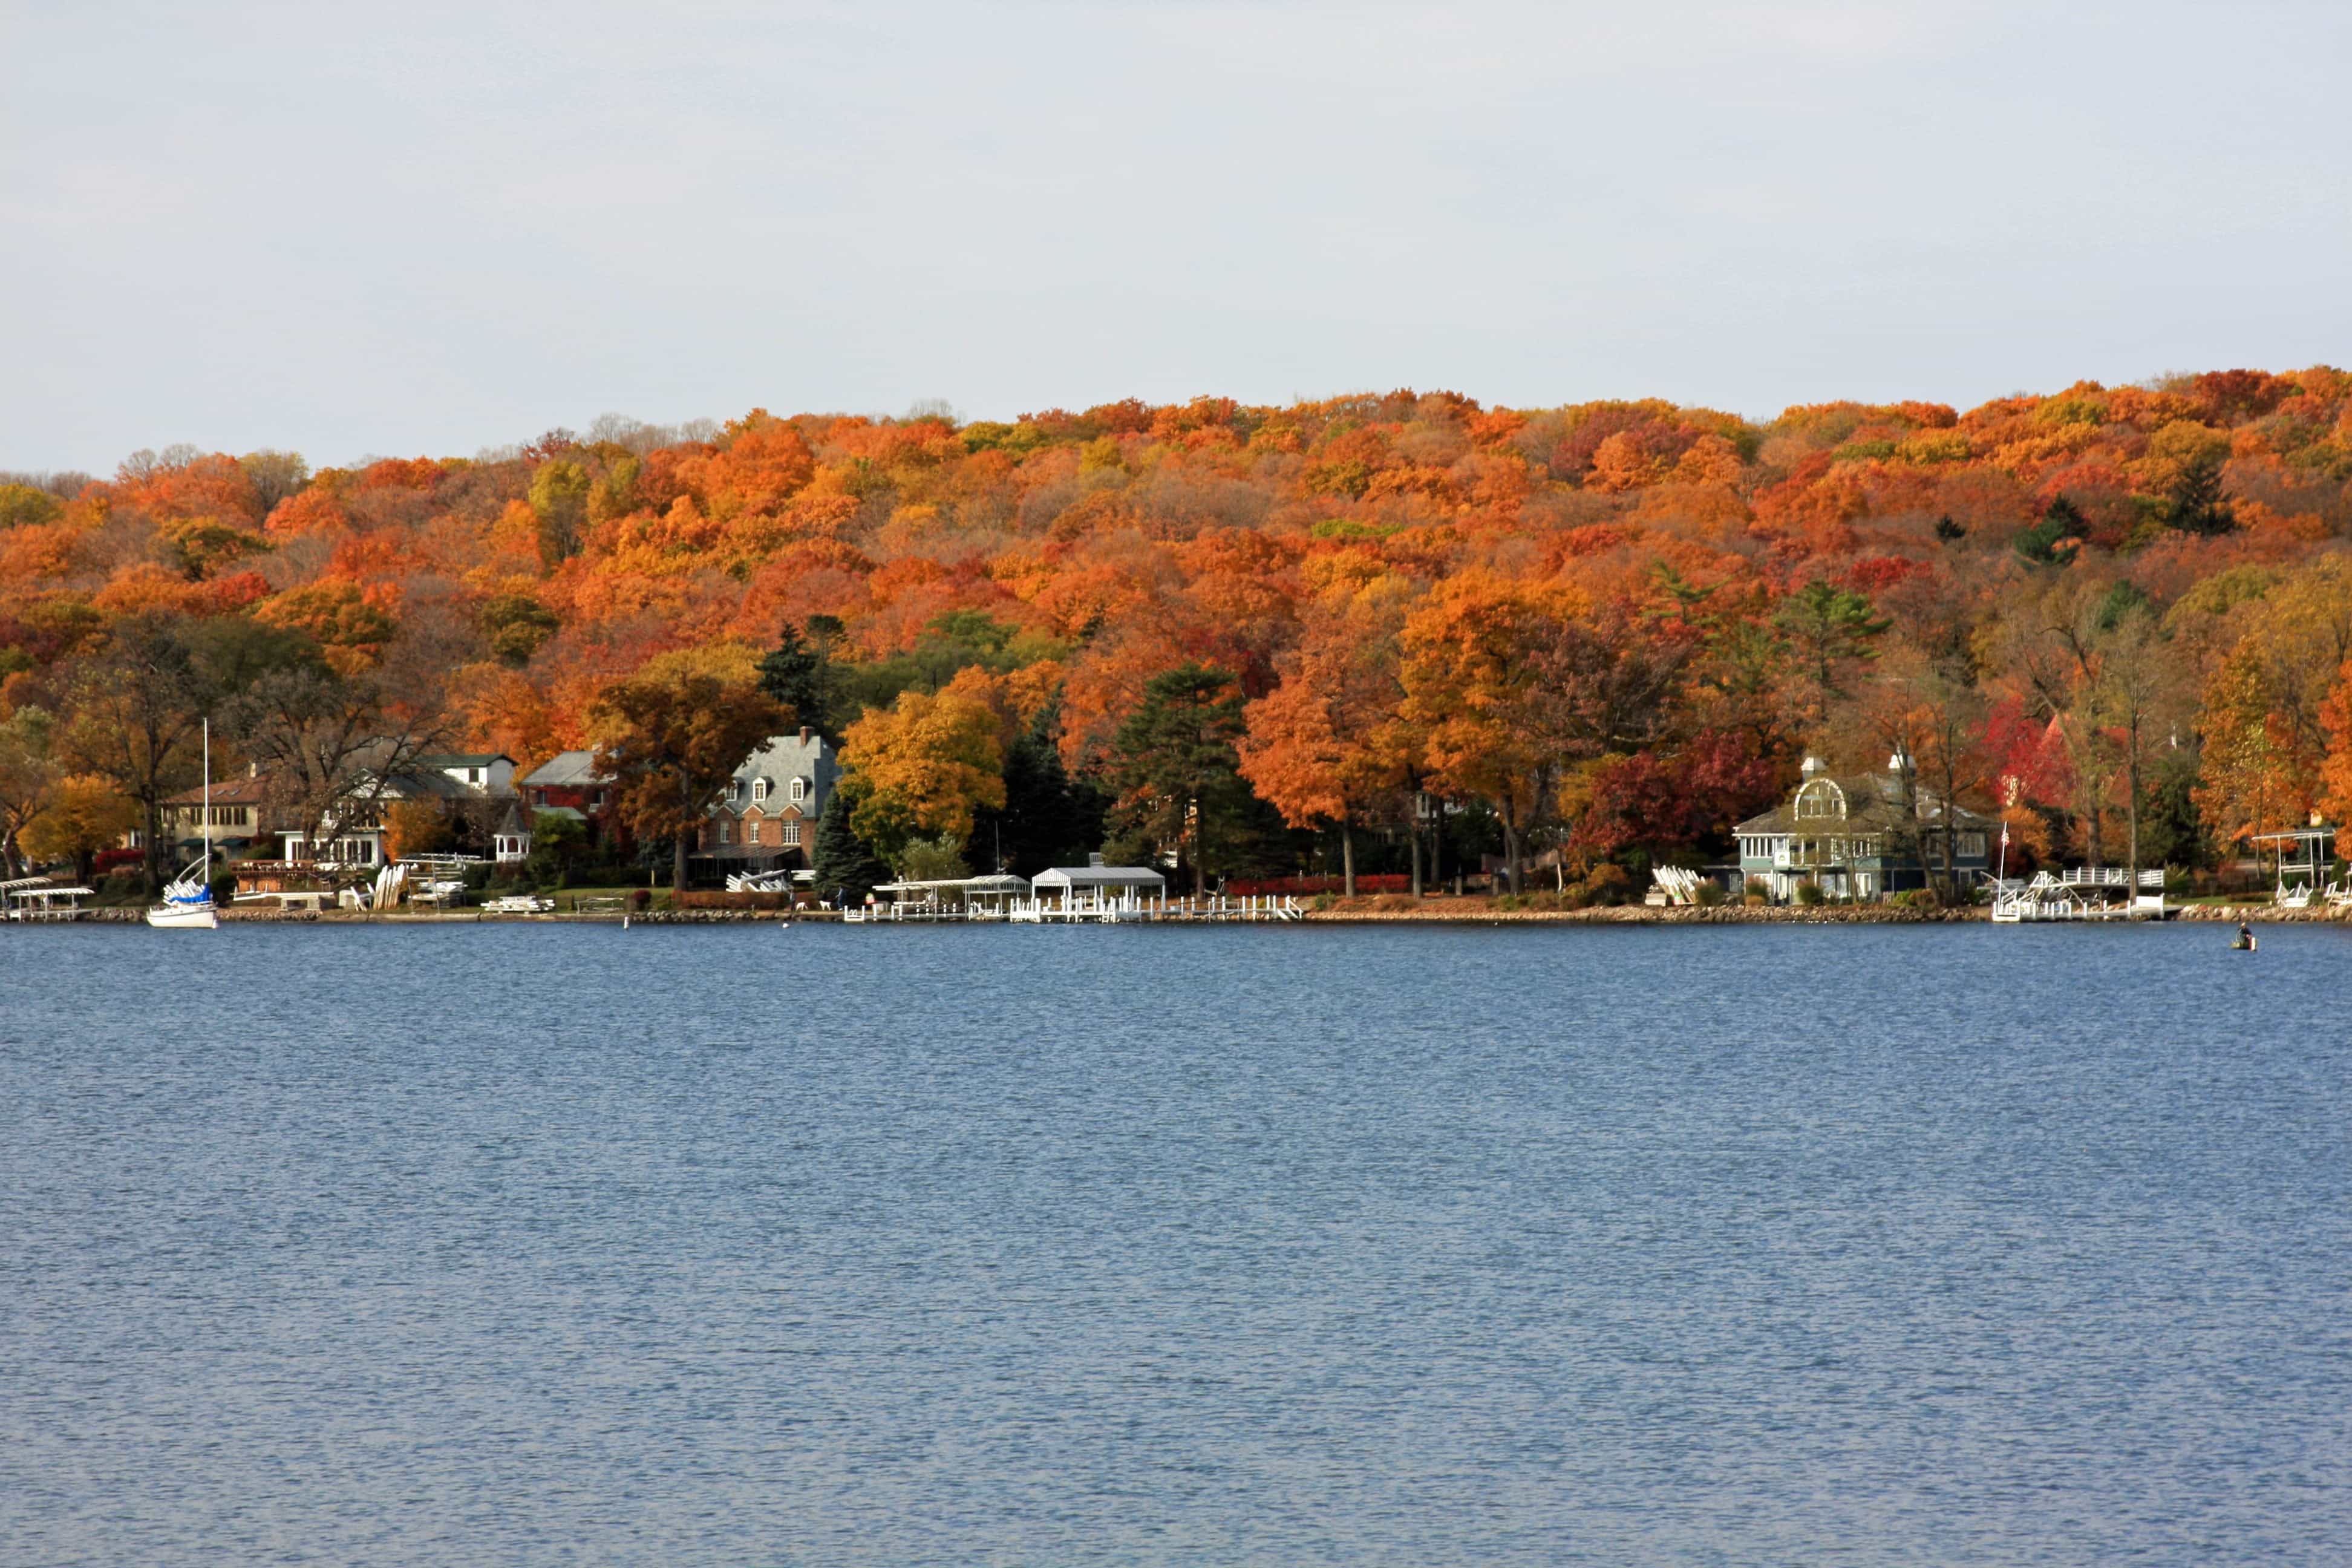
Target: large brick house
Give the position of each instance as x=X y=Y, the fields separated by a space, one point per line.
x=767 y=819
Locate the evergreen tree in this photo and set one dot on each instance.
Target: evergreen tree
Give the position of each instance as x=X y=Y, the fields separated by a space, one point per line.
x=1049 y=818
x=2053 y=541
x=798 y=673
x=2195 y=504
x=1178 y=772
x=2173 y=831
x=1831 y=626
x=840 y=859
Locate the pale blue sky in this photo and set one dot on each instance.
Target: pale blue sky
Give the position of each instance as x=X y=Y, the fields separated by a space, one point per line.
x=431 y=228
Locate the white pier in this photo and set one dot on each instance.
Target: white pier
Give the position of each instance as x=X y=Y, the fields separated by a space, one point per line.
x=2082 y=893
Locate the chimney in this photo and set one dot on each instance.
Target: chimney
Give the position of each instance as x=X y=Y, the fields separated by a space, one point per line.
x=805 y=734
x=1095 y=858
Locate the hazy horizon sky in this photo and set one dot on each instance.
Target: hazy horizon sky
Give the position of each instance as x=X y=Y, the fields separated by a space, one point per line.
x=435 y=229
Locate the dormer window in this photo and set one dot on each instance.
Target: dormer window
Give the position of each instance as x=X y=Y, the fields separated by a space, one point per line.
x=800 y=791
x=760 y=792
x=1819 y=798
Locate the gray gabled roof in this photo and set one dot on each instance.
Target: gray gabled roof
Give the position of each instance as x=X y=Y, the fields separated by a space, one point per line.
x=1874 y=803
x=567 y=768
x=779 y=760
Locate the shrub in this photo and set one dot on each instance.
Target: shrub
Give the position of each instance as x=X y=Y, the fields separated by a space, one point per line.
x=640 y=898
x=1607 y=883
x=1710 y=894
x=1809 y=893
x=1757 y=888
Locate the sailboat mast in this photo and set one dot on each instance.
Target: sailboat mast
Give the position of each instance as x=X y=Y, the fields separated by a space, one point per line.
x=208 y=802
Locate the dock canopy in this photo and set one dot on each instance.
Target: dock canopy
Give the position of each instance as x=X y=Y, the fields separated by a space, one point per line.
x=956 y=889
x=1064 y=880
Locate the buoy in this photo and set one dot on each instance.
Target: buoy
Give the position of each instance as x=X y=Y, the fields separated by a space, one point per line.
x=624 y=922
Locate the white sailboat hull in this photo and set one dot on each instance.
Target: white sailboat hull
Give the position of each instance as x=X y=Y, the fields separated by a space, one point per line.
x=194 y=917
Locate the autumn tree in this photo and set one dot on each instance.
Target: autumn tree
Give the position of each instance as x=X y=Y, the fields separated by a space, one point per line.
x=1317 y=748
x=332 y=746
x=671 y=737
x=923 y=766
x=559 y=499
x=137 y=707
x=2138 y=696
x=85 y=815
x=29 y=776
x=1475 y=673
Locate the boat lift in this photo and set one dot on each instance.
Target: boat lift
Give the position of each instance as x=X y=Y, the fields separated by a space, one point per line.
x=2304 y=858
x=2081 y=893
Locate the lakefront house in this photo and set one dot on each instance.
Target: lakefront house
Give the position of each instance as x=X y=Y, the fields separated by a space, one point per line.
x=1855 y=839
x=568 y=785
x=766 y=820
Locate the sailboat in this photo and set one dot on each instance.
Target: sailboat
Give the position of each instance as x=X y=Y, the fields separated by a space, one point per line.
x=188 y=897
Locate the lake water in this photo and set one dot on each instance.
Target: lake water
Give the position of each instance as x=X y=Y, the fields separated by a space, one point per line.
x=1739 y=1245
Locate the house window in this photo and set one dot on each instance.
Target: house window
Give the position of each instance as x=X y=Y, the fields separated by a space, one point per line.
x=759 y=790
x=800 y=790
x=752 y=833
x=792 y=835
x=726 y=834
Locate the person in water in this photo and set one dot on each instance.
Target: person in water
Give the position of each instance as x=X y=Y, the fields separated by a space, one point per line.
x=2245 y=934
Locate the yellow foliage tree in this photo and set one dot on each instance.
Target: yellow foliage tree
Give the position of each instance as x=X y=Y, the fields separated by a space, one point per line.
x=923 y=765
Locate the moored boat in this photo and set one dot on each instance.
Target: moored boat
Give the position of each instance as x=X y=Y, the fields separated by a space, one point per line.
x=188 y=897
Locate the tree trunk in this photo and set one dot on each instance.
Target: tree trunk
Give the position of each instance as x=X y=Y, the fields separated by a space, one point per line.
x=1510 y=841
x=679 y=848
x=154 y=818
x=1348 y=856
x=1413 y=832
x=2131 y=783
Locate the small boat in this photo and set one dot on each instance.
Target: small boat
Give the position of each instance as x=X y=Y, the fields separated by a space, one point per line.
x=188 y=897
x=2242 y=942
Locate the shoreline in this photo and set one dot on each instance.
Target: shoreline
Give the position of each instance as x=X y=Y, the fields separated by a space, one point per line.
x=1436 y=914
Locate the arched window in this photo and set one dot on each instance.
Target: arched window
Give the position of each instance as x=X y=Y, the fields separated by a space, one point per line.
x=800 y=791
x=1820 y=799
x=759 y=790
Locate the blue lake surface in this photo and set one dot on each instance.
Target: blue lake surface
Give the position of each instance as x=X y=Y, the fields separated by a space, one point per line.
x=1739 y=1245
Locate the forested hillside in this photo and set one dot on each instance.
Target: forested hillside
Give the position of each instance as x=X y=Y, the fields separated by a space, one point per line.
x=1229 y=632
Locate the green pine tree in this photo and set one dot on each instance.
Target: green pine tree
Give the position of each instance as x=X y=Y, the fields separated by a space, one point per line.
x=1178 y=773
x=842 y=861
